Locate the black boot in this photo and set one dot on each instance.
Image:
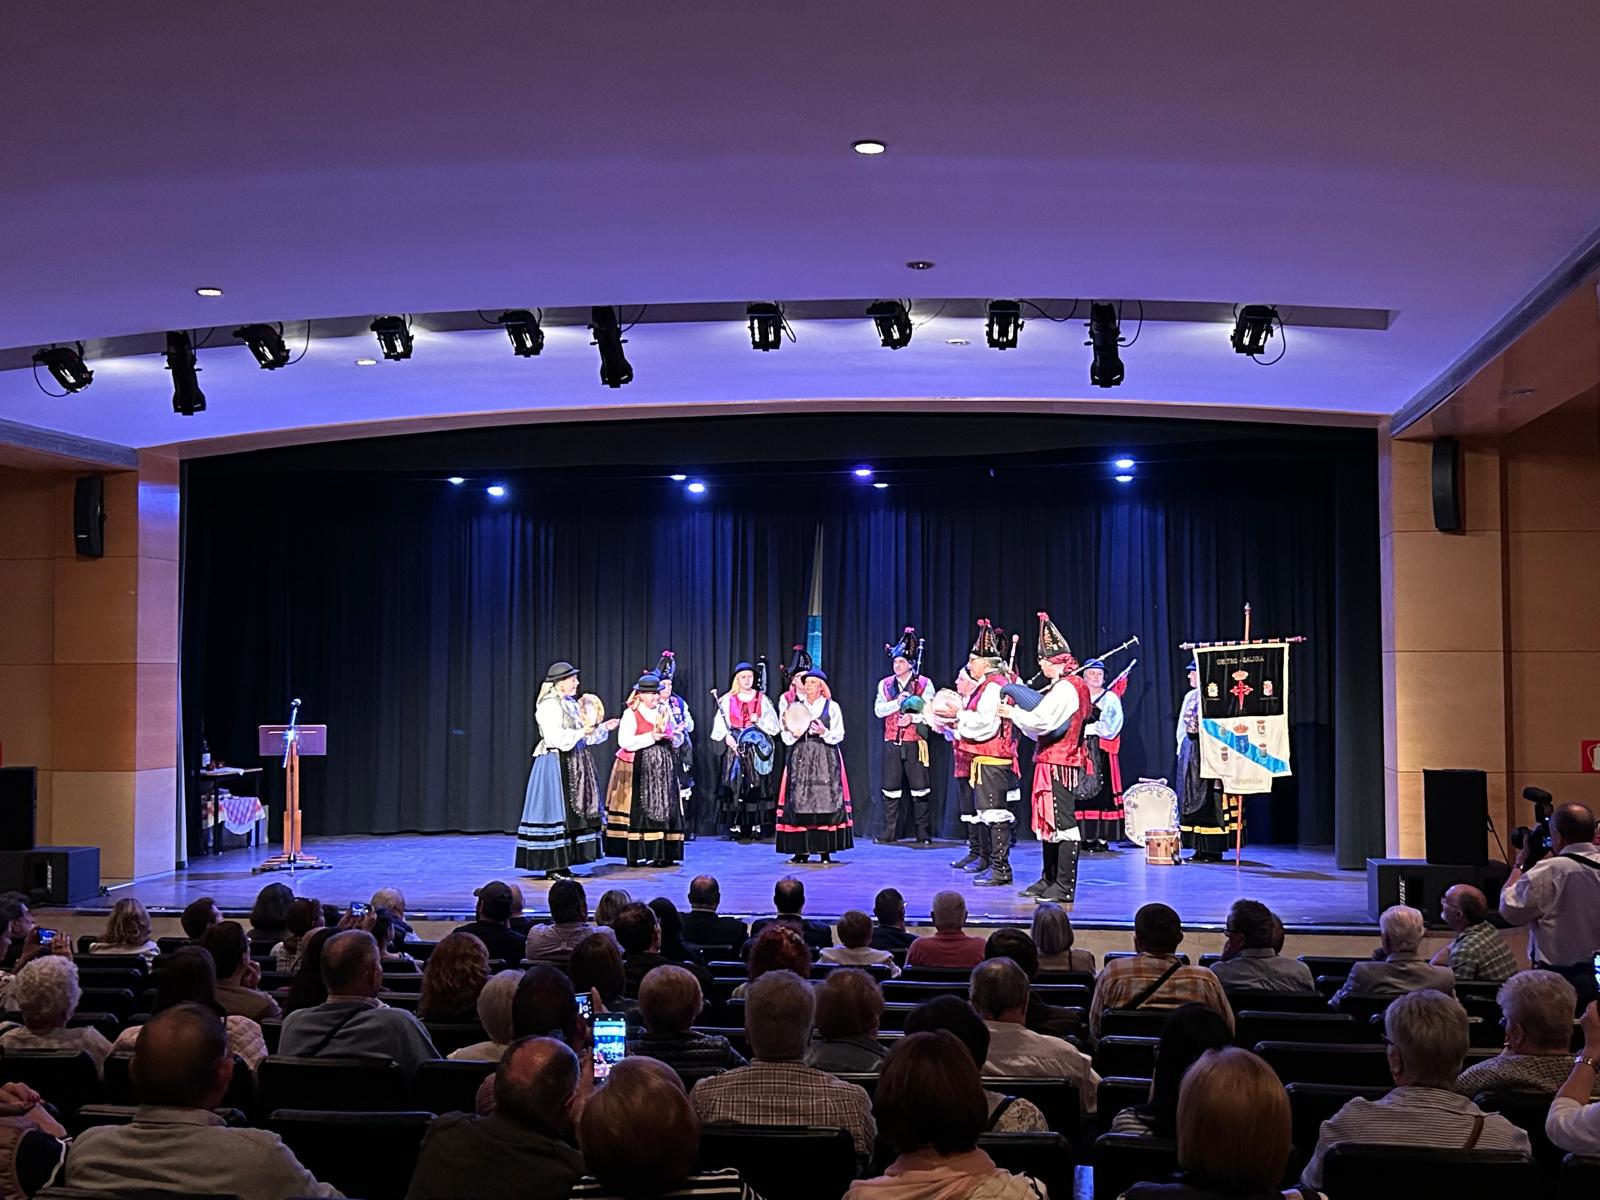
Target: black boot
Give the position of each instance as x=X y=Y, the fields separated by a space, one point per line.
x=1065 y=886
x=1051 y=852
x=999 y=872
x=974 y=852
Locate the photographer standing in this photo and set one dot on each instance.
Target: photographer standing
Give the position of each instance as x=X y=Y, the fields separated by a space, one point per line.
x=1559 y=897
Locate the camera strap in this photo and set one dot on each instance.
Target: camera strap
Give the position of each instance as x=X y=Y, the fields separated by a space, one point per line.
x=1592 y=864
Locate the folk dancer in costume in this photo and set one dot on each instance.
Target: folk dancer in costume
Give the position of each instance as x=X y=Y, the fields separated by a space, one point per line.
x=900 y=701
x=666 y=667
x=1207 y=821
x=1060 y=761
x=1100 y=815
x=990 y=745
x=560 y=825
x=814 y=813
x=644 y=816
x=746 y=725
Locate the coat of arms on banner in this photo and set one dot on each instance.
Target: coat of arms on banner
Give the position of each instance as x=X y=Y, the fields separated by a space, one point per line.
x=1244 y=715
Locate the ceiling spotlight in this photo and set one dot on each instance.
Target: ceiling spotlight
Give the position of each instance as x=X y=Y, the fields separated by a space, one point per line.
x=1105 y=335
x=266 y=343
x=677 y=478
x=957 y=342
x=366 y=362
x=65 y=364
x=614 y=367
x=455 y=480
x=697 y=487
x=1003 y=325
x=868 y=146
x=893 y=322
x=1252 y=327
x=1124 y=478
x=766 y=326
x=496 y=490
x=880 y=485
x=394 y=337
x=1123 y=464
x=920 y=264
x=210 y=293
x=863 y=472
x=522 y=327
x=187 y=398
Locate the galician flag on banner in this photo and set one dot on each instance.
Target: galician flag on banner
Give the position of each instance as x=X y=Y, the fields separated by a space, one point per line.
x=1244 y=715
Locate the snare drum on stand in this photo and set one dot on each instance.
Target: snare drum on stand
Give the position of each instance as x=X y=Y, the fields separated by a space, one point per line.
x=1161 y=847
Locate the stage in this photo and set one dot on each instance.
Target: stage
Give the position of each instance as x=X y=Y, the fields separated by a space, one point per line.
x=438 y=873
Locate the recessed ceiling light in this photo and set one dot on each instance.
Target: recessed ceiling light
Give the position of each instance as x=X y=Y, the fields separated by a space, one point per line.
x=1124 y=478
x=208 y=292
x=957 y=342
x=456 y=480
x=880 y=485
x=697 y=487
x=863 y=472
x=1123 y=464
x=677 y=478
x=868 y=146
x=366 y=362
x=920 y=264
x=496 y=490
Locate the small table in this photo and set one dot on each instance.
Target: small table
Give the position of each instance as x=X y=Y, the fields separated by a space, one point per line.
x=213 y=818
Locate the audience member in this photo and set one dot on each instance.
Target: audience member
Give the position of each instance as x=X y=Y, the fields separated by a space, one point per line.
x=1426 y=1032
x=569 y=925
x=237 y=973
x=546 y=1006
x=492 y=926
x=1189 y=1032
x=187 y=976
x=494 y=1014
x=789 y=901
x=46 y=994
x=641 y=1139
x=520 y=921
x=930 y=1108
x=1006 y=1114
x=1053 y=937
x=1558 y=898
x=269 y=917
x=175 y=1143
x=1250 y=961
x=670 y=1001
x=393 y=901
x=849 y=1007
x=36 y=1143
x=352 y=1022
x=611 y=903
x=18 y=919
x=778 y=1088
x=854 y=950
x=127 y=931
x=1043 y=1017
x=949 y=945
x=31 y=949
x=889 y=921
x=455 y=974
x=1573 y=1123
x=673 y=947
x=639 y=934
x=1399 y=968
x=304 y=916
x=199 y=916
x=380 y=925
x=1000 y=996
x=596 y=965
x=522 y=1144
x=306 y=989
x=1233 y=1132
x=1536 y=1011
x=1155 y=977
x=777 y=948
x=1478 y=951
x=703 y=925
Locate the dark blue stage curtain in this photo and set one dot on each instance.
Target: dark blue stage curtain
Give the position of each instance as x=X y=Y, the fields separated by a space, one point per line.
x=416 y=620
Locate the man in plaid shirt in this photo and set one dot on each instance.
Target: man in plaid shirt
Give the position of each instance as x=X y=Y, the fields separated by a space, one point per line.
x=1154 y=978
x=1477 y=951
x=778 y=1088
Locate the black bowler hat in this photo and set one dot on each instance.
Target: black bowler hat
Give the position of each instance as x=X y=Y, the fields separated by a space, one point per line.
x=648 y=682
x=559 y=671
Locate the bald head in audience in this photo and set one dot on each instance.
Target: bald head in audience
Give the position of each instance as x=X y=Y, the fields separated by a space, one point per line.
x=351 y=965
x=181 y=1059
x=536 y=1084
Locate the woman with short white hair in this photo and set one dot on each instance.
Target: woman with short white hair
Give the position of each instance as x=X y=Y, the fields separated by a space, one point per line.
x=1536 y=1010
x=494 y=1014
x=47 y=993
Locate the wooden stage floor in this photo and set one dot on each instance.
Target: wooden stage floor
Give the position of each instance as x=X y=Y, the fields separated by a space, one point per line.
x=438 y=873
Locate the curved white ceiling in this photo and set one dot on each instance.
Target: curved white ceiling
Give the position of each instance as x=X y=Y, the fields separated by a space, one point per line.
x=1433 y=158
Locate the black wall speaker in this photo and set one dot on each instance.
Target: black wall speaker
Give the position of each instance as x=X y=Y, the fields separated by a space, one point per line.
x=19 y=800
x=1455 y=817
x=89 y=516
x=52 y=874
x=1447 y=485
x=1422 y=885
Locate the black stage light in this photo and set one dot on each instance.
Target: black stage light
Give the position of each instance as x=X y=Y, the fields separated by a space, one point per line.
x=614 y=368
x=1004 y=324
x=766 y=326
x=522 y=327
x=65 y=364
x=893 y=322
x=1252 y=327
x=187 y=398
x=1105 y=335
x=266 y=343
x=394 y=337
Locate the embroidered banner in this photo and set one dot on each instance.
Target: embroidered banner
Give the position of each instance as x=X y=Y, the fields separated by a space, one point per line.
x=1244 y=715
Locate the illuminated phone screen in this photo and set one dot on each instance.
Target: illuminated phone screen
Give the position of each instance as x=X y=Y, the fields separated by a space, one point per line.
x=610 y=1043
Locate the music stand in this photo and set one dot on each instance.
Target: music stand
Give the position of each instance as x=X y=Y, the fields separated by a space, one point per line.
x=289 y=742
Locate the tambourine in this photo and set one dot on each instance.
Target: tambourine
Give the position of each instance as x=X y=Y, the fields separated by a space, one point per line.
x=946 y=705
x=591 y=710
x=797 y=720
x=1149 y=805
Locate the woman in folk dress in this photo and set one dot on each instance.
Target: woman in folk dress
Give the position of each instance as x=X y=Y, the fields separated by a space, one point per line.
x=644 y=810
x=560 y=825
x=814 y=813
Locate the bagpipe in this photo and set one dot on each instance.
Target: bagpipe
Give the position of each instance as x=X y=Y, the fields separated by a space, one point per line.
x=1022 y=696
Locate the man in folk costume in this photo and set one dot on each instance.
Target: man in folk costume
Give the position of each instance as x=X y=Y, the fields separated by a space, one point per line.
x=990 y=744
x=1100 y=816
x=644 y=816
x=1060 y=761
x=1206 y=820
x=746 y=725
x=900 y=701
x=560 y=825
x=678 y=709
x=814 y=813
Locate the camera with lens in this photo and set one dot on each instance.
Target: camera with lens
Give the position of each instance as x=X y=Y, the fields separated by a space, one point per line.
x=1537 y=839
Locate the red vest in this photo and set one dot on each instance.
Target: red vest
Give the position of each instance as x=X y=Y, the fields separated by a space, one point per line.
x=897 y=727
x=1067 y=750
x=741 y=713
x=1004 y=743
